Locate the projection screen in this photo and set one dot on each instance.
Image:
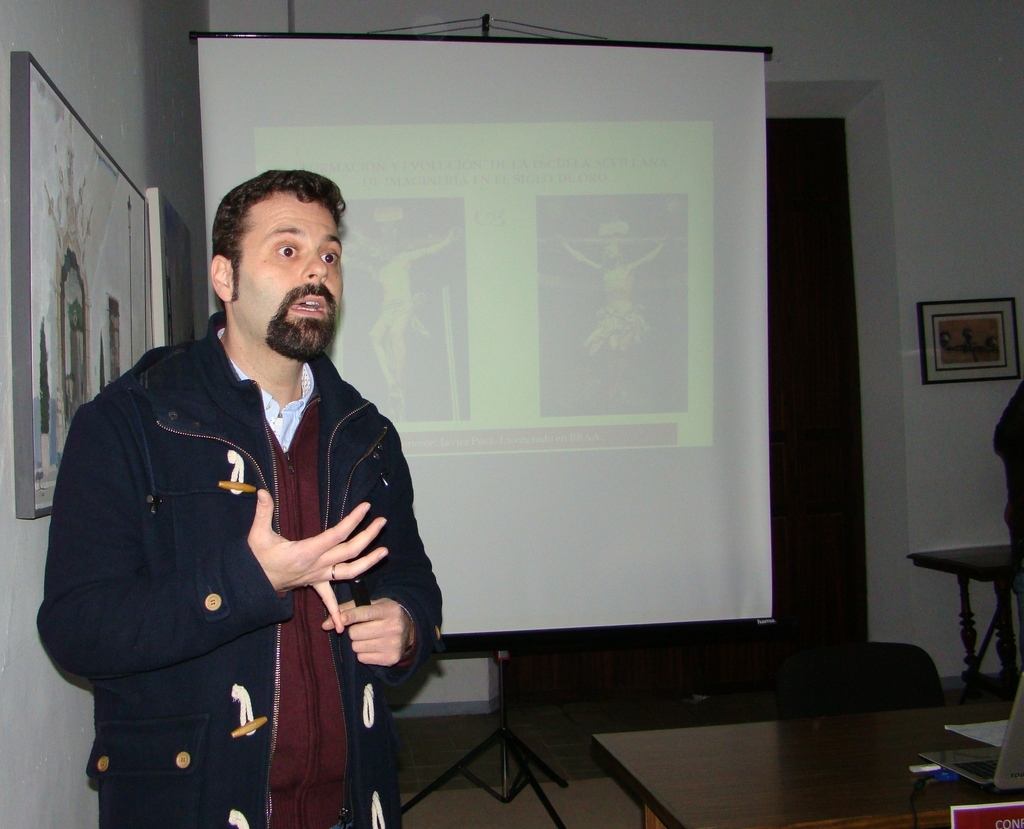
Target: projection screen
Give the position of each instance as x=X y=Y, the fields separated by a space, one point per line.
x=555 y=285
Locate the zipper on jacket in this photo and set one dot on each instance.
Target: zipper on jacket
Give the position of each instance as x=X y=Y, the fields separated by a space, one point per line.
x=276 y=710
x=276 y=521
x=224 y=441
x=345 y=812
x=351 y=474
x=330 y=448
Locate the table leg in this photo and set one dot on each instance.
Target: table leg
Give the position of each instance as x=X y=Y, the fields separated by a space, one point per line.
x=968 y=634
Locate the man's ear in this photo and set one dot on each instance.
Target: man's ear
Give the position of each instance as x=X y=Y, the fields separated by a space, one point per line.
x=222 y=277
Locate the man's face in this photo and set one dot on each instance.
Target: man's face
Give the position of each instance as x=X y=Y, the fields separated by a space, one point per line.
x=285 y=291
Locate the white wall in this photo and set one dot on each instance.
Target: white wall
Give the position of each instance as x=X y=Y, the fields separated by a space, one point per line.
x=933 y=93
x=128 y=69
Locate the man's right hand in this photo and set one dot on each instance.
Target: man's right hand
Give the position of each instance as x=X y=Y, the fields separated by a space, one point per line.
x=291 y=564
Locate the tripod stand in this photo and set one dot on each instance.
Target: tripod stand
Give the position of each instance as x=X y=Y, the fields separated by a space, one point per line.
x=512 y=748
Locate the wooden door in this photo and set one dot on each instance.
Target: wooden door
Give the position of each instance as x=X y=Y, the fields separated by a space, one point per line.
x=818 y=557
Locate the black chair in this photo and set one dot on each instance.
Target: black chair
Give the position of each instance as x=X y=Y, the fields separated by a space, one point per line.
x=857 y=679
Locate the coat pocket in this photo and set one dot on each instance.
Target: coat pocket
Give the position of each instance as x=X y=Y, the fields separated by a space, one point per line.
x=149 y=771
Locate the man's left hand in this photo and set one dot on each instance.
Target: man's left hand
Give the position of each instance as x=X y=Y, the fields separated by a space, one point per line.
x=381 y=632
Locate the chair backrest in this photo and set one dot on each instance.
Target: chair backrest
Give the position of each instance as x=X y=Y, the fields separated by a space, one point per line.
x=857 y=679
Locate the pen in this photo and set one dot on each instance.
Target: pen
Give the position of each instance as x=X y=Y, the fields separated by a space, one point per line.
x=236 y=486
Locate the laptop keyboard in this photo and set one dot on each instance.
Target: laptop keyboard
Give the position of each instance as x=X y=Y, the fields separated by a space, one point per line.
x=979 y=768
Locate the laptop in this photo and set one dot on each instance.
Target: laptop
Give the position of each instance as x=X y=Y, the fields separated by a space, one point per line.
x=1000 y=769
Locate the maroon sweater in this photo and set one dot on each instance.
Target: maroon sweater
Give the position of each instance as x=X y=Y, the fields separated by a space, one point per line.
x=307 y=774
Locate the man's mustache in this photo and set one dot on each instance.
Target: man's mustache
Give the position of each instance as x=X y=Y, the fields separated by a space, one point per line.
x=310 y=289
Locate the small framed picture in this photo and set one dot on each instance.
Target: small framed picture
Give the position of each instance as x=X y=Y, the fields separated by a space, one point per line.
x=967 y=340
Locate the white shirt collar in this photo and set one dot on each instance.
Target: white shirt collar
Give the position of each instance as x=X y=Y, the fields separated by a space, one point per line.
x=283 y=420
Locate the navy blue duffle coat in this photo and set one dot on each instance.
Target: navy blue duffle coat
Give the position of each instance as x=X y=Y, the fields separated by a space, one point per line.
x=152 y=592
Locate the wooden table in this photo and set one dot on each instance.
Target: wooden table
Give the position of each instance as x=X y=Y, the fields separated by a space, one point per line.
x=829 y=772
x=987 y=564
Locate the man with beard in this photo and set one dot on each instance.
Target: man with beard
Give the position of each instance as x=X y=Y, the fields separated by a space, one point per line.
x=211 y=508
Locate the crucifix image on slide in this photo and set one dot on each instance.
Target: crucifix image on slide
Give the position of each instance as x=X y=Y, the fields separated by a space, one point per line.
x=612 y=299
x=405 y=269
x=621 y=323
x=397 y=314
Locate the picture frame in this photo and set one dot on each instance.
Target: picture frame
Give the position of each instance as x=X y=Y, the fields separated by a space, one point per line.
x=79 y=288
x=968 y=340
x=170 y=264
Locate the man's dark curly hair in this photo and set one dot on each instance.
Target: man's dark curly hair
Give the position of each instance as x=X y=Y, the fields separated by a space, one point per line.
x=229 y=225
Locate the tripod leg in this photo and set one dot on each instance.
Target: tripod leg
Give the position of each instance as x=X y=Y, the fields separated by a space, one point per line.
x=529 y=756
x=458 y=768
x=514 y=744
x=509 y=744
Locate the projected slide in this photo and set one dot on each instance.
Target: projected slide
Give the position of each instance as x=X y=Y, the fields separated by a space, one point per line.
x=528 y=287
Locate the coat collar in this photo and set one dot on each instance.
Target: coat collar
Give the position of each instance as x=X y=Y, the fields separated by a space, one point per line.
x=203 y=369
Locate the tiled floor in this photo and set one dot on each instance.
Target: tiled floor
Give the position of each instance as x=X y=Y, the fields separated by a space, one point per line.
x=559 y=734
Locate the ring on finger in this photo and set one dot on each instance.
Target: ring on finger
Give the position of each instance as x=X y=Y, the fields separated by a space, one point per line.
x=332 y=573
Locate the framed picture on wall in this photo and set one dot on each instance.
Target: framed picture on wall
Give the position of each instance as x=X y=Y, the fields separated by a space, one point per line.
x=968 y=340
x=170 y=263
x=79 y=288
